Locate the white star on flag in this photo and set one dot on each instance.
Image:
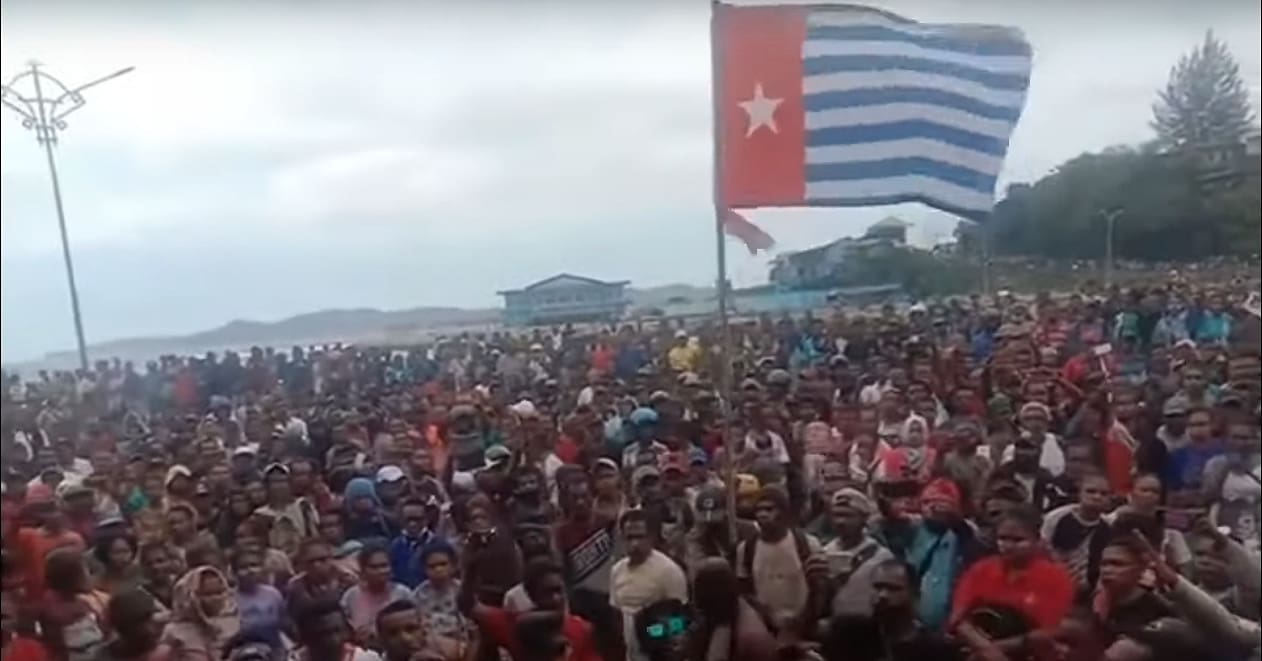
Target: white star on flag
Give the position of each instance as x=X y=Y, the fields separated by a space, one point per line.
x=761 y=111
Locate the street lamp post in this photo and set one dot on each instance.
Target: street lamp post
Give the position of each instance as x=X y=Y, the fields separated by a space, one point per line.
x=1110 y=218
x=43 y=107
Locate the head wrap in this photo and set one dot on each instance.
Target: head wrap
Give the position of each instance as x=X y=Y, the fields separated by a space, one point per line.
x=187 y=608
x=361 y=487
x=942 y=491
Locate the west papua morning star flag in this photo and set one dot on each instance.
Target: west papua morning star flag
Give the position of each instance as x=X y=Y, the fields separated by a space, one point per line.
x=851 y=106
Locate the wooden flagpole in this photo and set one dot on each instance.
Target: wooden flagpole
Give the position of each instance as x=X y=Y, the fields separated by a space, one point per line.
x=726 y=407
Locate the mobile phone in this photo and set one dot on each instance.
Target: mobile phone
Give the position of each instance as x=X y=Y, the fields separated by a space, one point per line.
x=1102 y=349
x=839 y=562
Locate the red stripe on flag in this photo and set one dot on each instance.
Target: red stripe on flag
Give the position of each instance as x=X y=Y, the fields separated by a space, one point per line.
x=738 y=226
x=762 y=150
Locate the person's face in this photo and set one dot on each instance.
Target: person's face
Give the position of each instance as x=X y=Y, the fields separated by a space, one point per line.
x=1176 y=423
x=550 y=593
x=438 y=568
x=580 y=499
x=915 y=435
x=635 y=535
x=390 y=492
x=401 y=634
x=676 y=482
x=1075 y=639
x=180 y=524
x=331 y=529
x=219 y=476
x=1146 y=494
x=1193 y=380
x=249 y=570
x=1015 y=542
x=767 y=513
x=301 y=477
x=160 y=565
x=1093 y=495
x=890 y=592
x=527 y=485
x=257 y=493
x=415 y=520
x=1120 y=570
x=327 y=636
x=318 y=559
x=832 y=477
x=1025 y=454
x=1035 y=423
x=1078 y=461
x=848 y=521
x=1199 y=428
x=376 y=572
x=120 y=554
x=1209 y=564
x=212 y=595
x=363 y=506
x=152 y=485
x=649 y=489
x=278 y=486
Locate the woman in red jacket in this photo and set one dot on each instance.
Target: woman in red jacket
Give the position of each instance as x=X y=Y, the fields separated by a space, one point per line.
x=1007 y=606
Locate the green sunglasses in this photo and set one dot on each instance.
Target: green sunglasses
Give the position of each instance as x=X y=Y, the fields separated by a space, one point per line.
x=671 y=627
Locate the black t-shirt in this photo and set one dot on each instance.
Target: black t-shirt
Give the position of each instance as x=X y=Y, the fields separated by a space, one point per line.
x=1134 y=615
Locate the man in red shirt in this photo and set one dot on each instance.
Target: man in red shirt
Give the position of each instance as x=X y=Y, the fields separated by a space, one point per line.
x=1014 y=600
x=545 y=586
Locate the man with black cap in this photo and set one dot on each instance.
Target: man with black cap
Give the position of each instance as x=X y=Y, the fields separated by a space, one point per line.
x=710 y=535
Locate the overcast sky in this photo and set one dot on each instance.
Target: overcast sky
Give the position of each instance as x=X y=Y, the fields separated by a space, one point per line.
x=272 y=158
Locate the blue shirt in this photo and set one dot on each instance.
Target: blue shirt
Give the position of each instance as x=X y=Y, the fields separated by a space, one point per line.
x=405 y=559
x=939 y=556
x=1186 y=465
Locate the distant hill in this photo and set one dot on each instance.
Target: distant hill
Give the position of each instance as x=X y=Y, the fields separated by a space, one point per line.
x=357 y=325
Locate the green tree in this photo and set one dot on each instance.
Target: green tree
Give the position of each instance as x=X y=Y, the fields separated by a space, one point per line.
x=1166 y=211
x=1205 y=102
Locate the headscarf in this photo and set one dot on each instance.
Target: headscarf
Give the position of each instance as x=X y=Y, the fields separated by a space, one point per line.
x=914 y=420
x=192 y=628
x=360 y=487
x=375 y=524
x=186 y=606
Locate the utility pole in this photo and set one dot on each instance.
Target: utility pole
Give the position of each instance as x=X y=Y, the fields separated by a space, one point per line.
x=43 y=102
x=1110 y=219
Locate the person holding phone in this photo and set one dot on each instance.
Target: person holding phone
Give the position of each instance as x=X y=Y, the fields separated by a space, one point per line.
x=852 y=556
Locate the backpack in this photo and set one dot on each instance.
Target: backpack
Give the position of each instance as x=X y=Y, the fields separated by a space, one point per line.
x=801 y=546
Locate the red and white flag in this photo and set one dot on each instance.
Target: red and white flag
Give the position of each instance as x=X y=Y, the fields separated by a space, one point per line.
x=755 y=239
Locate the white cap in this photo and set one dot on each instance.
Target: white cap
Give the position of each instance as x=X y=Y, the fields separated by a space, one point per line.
x=390 y=474
x=525 y=408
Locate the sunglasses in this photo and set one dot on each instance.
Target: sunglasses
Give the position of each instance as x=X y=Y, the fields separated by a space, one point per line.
x=671 y=627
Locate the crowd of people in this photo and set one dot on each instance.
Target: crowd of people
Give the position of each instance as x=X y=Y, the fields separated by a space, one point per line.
x=1058 y=477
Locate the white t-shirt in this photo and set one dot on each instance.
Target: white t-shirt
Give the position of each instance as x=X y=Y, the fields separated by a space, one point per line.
x=634 y=587
x=778 y=575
